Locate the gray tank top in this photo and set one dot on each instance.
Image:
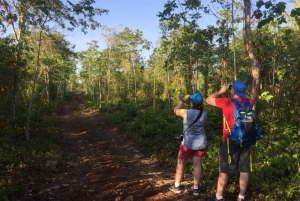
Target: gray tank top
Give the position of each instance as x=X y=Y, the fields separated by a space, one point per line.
x=194 y=137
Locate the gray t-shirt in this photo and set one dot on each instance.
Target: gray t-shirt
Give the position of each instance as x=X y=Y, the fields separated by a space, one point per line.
x=194 y=137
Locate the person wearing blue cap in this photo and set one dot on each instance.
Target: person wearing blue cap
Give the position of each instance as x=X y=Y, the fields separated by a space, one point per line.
x=194 y=143
x=240 y=155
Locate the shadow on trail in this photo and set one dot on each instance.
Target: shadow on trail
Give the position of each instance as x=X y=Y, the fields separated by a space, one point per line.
x=99 y=163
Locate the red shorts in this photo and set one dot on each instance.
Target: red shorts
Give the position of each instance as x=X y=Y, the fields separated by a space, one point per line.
x=185 y=153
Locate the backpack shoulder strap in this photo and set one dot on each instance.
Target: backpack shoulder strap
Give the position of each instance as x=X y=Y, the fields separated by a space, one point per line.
x=244 y=102
x=234 y=100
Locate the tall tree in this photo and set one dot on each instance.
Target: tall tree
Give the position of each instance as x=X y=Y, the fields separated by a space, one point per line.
x=131 y=44
x=92 y=70
x=109 y=34
x=56 y=55
x=272 y=12
x=250 y=49
x=189 y=43
x=23 y=15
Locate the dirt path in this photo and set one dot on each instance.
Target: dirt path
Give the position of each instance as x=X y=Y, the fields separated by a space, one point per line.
x=101 y=164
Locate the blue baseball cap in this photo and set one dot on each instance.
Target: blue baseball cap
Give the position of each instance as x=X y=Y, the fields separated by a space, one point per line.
x=196 y=98
x=239 y=88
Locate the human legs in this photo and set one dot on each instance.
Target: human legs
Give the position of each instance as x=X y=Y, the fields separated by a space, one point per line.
x=197 y=170
x=244 y=166
x=240 y=158
x=225 y=168
x=178 y=176
x=179 y=171
x=185 y=154
x=244 y=178
x=222 y=182
x=197 y=159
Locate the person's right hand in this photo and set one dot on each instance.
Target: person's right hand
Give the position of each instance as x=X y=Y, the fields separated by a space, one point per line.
x=186 y=97
x=225 y=88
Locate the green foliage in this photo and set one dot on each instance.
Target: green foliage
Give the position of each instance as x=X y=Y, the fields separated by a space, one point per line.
x=152 y=129
x=282 y=162
x=17 y=156
x=118 y=82
x=276 y=156
x=270 y=13
x=266 y=96
x=190 y=13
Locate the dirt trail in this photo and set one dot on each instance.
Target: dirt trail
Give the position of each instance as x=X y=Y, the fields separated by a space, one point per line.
x=101 y=164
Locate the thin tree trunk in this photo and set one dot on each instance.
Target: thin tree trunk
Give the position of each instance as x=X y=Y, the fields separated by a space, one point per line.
x=255 y=68
x=168 y=90
x=154 y=93
x=46 y=75
x=14 y=95
x=108 y=74
x=39 y=110
x=18 y=35
x=57 y=93
x=233 y=40
x=134 y=75
x=100 y=93
x=33 y=88
x=206 y=66
x=62 y=91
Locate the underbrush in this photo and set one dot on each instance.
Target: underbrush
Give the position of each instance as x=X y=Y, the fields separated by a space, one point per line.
x=275 y=160
x=17 y=156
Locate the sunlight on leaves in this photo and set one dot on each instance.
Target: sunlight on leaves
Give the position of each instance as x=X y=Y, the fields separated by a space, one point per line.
x=281 y=73
x=266 y=96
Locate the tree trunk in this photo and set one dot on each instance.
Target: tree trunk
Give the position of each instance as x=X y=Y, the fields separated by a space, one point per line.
x=154 y=93
x=100 y=93
x=255 y=68
x=168 y=91
x=14 y=95
x=233 y=40
x=47 y=83
x=108 y=73
x=33 y=88
x=134 y=77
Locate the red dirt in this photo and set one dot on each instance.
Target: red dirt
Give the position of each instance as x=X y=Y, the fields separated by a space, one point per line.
x=99 y=163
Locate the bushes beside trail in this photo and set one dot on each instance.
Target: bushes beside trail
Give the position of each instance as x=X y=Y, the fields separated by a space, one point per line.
x=275 y=159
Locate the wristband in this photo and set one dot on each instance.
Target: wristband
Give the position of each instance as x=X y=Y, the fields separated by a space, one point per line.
x=183 y=100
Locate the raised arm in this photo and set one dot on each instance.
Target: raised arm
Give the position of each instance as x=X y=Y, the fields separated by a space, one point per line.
x=178 y=109
x=211 y=99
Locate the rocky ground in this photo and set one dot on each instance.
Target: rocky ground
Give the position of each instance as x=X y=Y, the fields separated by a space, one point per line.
x=101 y=164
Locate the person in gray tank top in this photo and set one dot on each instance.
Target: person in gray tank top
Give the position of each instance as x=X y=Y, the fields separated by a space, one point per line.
x=194 y=143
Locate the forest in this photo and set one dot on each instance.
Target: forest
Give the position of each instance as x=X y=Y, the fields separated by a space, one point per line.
x=254 y=41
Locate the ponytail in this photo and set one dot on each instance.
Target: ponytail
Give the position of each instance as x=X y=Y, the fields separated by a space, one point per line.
x=198 y=106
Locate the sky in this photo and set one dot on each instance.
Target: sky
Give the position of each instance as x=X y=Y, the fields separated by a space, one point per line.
x=134 y=14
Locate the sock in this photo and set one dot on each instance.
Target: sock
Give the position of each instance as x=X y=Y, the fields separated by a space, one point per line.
x=241 y=196
x=219 y=197
x=176 y=184
x=196 y=186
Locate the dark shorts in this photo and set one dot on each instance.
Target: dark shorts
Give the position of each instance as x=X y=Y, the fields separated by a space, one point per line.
x=185 y=153
x=240 y=158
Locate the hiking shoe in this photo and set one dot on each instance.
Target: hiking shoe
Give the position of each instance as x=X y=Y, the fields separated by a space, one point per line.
x=175 y=189
x=196 y=192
